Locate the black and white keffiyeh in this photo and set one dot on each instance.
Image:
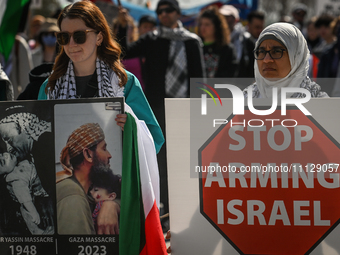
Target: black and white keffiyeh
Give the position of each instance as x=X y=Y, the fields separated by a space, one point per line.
x=30 y=123
x=65 y=87
x=176 y=77
x=176 y=84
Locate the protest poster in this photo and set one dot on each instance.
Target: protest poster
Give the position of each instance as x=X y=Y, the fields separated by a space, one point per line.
x=33 y=135
x=290 y=209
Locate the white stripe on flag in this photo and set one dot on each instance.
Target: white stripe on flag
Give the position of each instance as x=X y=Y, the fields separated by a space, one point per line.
x=3 y=6
x=149 y=176
x=148 y=167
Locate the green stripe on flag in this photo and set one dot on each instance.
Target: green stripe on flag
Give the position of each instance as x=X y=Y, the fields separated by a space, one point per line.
x=9 y=25
x=132 y=218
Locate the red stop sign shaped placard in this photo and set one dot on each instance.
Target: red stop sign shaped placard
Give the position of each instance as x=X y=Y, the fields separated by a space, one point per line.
x=275 y=189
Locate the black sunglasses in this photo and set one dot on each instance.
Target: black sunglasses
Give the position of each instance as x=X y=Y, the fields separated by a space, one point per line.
x=79 y=37
x=166 y=10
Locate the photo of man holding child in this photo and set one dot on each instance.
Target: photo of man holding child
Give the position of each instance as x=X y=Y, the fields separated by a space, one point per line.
x=88 y=169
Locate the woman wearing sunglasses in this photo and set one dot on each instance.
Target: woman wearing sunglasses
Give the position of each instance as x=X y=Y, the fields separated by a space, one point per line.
x=282 y=60
x=88 y=65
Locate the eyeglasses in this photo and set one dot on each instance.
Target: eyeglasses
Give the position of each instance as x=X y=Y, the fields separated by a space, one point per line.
x=273 y=53
x=166 y=10
x=79 y=37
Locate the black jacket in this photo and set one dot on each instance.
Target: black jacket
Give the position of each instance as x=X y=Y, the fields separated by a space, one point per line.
x=219 y=61
x=246 y=67
x=155 y=50
x=37 y=76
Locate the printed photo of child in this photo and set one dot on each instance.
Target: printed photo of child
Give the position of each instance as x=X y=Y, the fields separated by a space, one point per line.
x=24 y=185
x=106 y=186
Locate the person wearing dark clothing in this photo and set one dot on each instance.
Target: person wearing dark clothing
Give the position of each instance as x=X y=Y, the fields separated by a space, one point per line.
x=329 y=60
x=219 y=61
x=313 y=36
x=173 y=55
x=37 y=76
x=325 y=24
x=127 y=30
x=246 y=66
x=255 y=27
x=219 y=55
x=328 y=65
x=6 y=87
x=155 y=47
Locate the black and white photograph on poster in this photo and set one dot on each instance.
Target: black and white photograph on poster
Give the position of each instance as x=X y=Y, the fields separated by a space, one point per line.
x=26 y=155
x=88 y=163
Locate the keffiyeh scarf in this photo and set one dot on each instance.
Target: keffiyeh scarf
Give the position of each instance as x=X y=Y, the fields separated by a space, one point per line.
x=108 y=83
x=176 y=77
x=30 y=123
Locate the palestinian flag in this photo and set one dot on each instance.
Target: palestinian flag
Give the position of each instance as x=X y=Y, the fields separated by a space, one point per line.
x=10 y=14
x=140 y=227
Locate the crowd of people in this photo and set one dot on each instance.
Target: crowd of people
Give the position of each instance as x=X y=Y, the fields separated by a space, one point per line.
x=226 y=43
x=79 y=55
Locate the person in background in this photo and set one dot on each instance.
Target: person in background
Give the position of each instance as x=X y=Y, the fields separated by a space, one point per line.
x=329 y=60
x=173 y=55
x=313 y=41
x=255 y=27
x=325 y=26
x=146 y=24
x=299 y=13
x=46 y=51
x=219 y=56
x=125 y=29
x=35 y=25
x=313 y=34
x=43 y=59
x=232 y=17
x=6 y=87
x=130 y=29
x=22 y=63
x=37 y=76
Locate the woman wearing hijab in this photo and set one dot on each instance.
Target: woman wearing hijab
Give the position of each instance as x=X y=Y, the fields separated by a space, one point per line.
x=282 y=60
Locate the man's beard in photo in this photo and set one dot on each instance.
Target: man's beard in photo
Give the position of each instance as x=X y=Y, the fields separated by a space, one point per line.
x=98 y=167
x=98 y=162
